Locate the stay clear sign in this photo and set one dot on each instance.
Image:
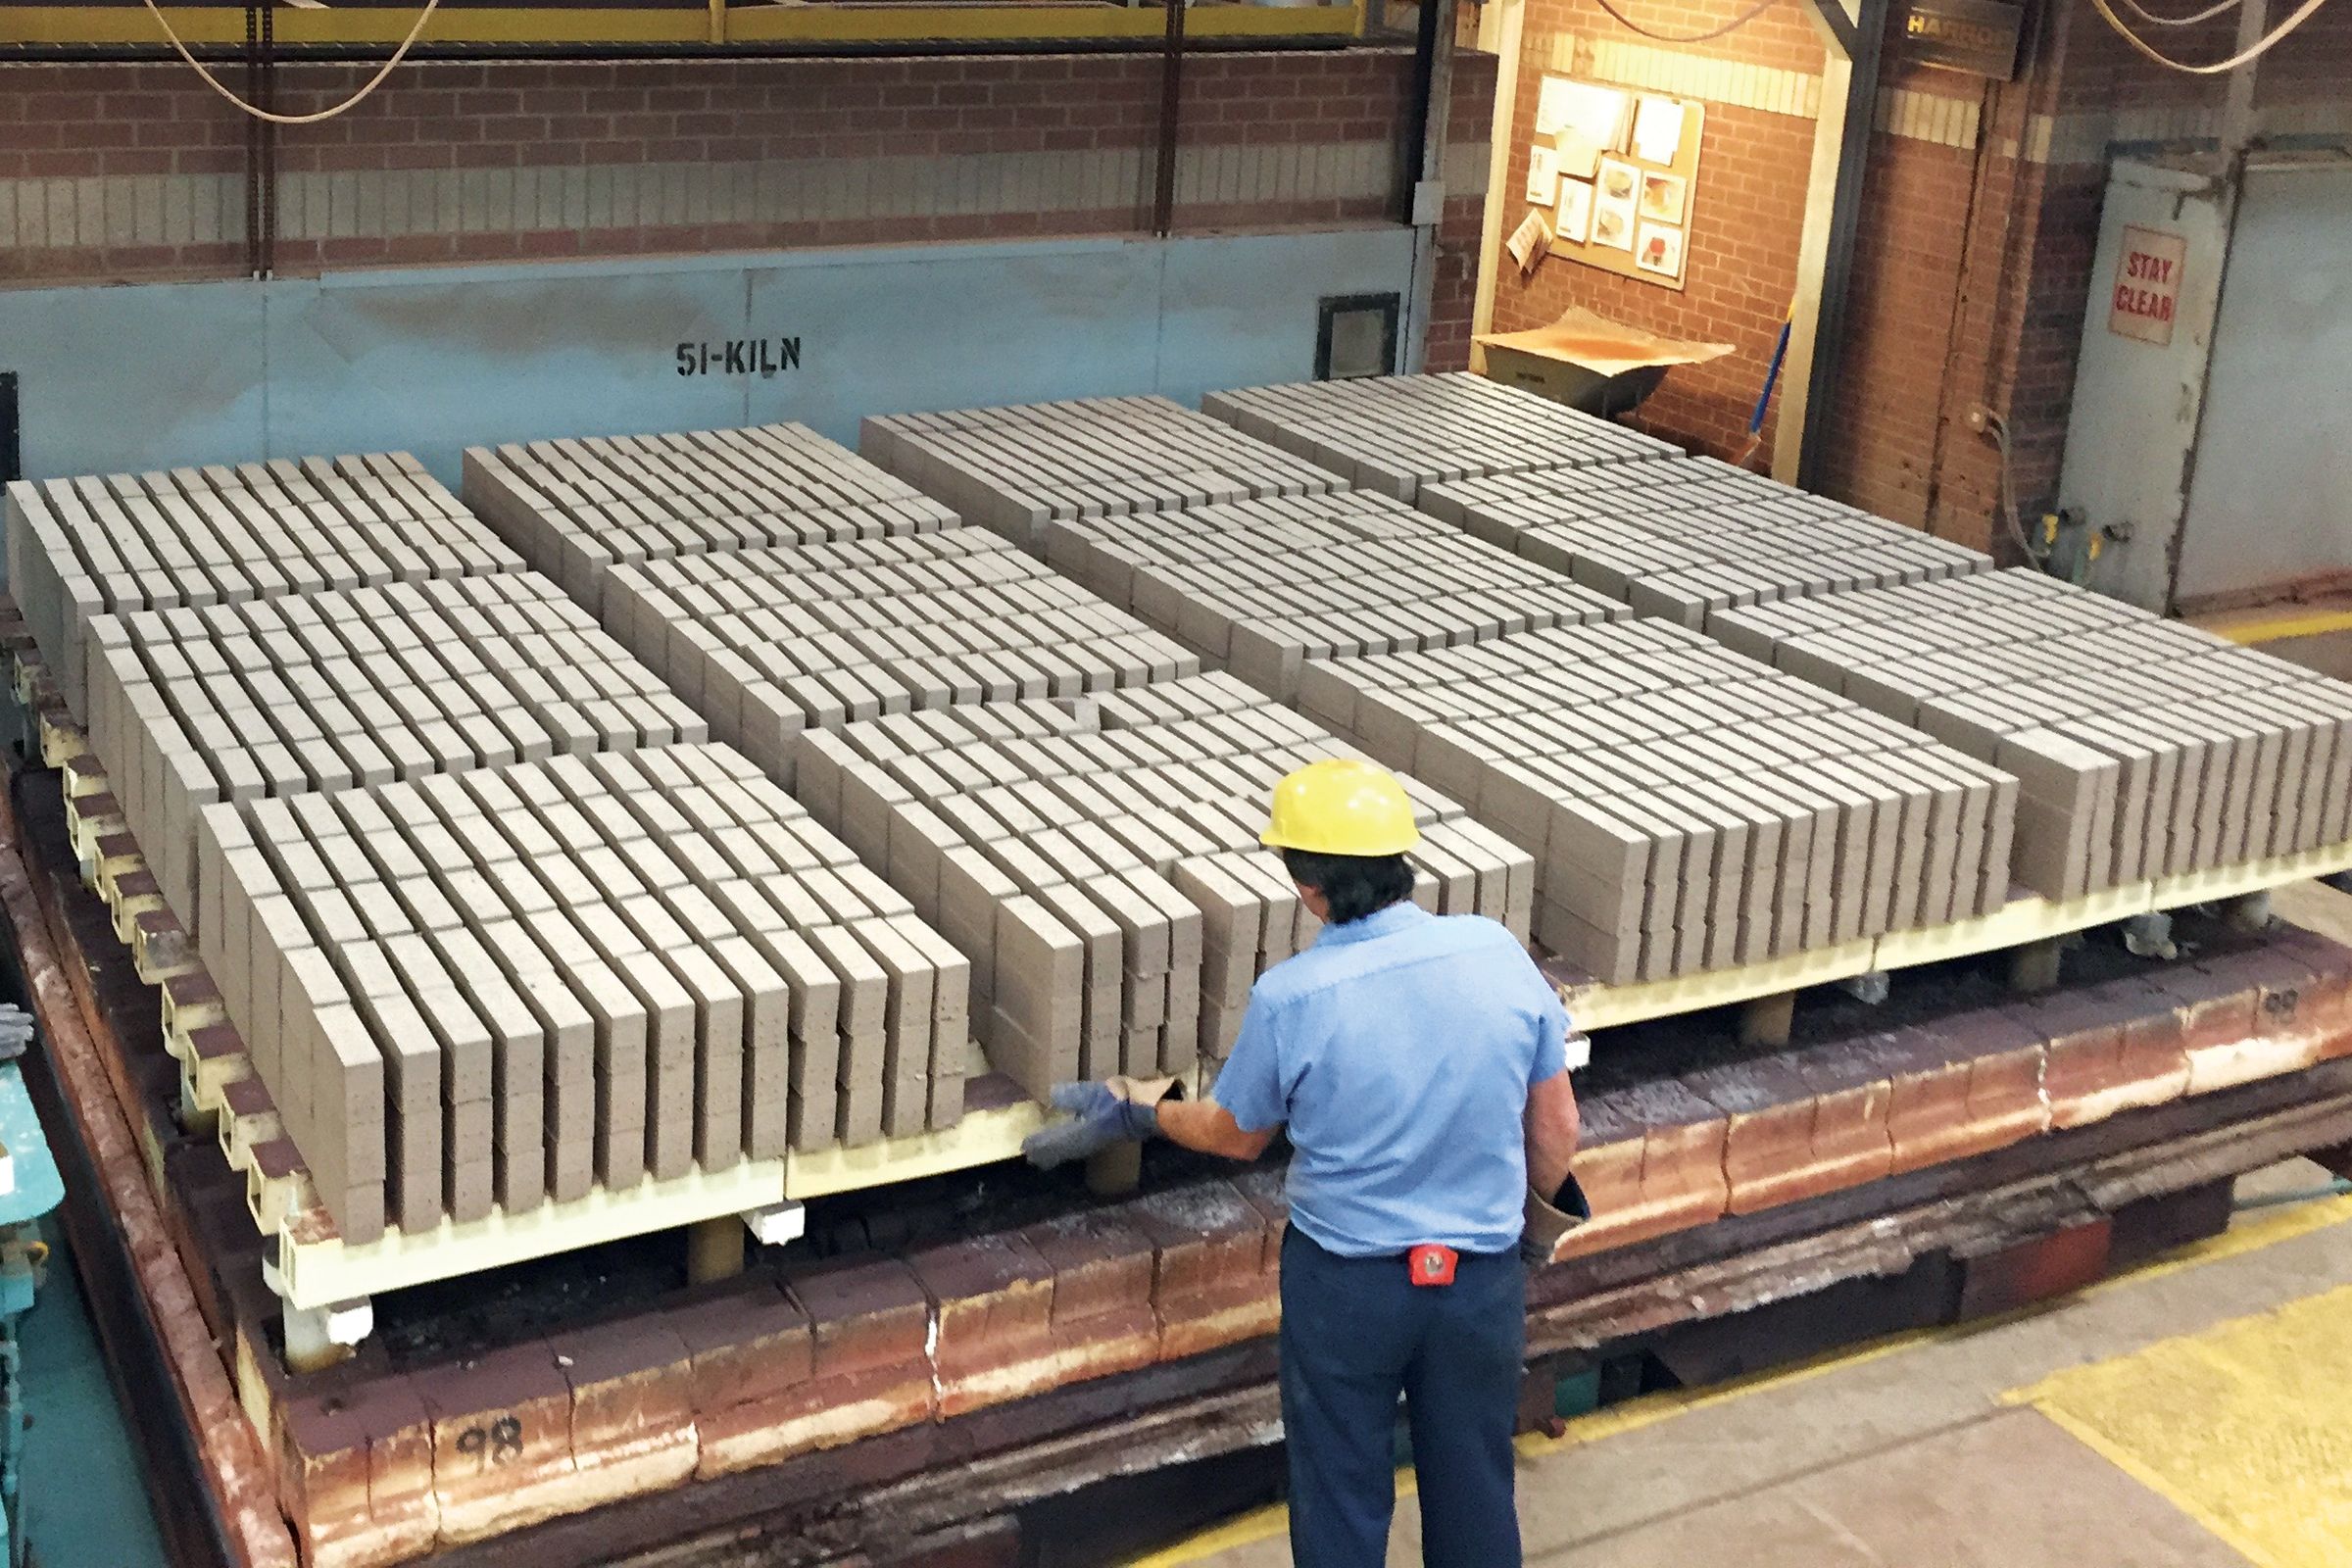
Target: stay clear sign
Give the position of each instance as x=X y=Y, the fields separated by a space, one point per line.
x=2147 y=285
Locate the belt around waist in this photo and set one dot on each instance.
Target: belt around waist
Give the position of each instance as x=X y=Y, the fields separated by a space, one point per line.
x=1292 y=1232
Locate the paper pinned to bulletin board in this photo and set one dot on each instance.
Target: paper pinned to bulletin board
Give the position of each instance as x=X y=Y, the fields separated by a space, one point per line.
x=1627 y=168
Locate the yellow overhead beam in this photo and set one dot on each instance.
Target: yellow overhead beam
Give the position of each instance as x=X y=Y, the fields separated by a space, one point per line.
x=1003 y=24
x=1276 y=21
x=226 y=24
x=118 y=26
x=818 y=24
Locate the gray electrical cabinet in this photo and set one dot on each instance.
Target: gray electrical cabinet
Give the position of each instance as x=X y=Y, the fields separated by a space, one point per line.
x=2211 y=439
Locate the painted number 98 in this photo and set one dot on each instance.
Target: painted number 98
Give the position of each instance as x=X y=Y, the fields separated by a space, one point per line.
x=501 y=1441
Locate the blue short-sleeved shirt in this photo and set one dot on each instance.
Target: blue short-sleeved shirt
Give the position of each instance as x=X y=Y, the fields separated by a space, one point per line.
x=1398 y=1051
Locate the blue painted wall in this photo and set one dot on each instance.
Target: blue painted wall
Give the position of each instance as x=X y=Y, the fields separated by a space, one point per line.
x=432 y=360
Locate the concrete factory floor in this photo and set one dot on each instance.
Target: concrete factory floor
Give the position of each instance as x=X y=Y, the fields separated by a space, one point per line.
x=83 y=1503
x=2316 y=634
x=2189 y=1415
x=2186 y=1415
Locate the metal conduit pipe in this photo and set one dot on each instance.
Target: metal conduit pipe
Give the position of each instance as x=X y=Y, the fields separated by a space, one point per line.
x=1423 y=190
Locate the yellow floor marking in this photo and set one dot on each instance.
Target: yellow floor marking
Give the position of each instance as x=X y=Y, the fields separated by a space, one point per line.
x=1632 y=1415
x=2245 y=1427
x=1243 y=1530
x=2284 y=1225
x=2279 y=629
x=1648 y=1409
x=2280 y=1224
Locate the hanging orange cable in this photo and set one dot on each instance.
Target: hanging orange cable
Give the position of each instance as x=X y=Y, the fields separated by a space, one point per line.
x=2253 y=51
x=2189 y=20
x=1732 y=25
x=258 y=113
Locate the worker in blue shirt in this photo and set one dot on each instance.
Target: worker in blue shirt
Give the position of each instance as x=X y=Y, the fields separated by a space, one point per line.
x=1418 y=1065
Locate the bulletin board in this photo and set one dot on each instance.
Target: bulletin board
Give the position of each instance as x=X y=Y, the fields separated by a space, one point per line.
x=1632 y=215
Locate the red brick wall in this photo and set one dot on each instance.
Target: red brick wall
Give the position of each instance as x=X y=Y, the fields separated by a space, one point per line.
x=1936 y=325
x=2101 y=69
x=66 y=123
x=1747 y=207
x=70 y=121
x=1900 y=327
x=2039 y=392
x=1460 y=230
x=2307 y=68
x=1972 y=268
x=1942 y=275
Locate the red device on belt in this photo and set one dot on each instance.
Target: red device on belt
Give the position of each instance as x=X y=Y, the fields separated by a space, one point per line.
x=1432 y=1264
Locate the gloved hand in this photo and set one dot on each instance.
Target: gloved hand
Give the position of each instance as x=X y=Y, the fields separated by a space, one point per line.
x=1550 y=1219
x=1102 y=1113
x=16 y=1031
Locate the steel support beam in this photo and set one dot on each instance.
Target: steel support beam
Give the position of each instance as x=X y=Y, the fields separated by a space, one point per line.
x=12 y=445
x=1421 y=194
x=1171 y=101
x=1849 y=109
x=1501 y=26
x=1831 y=16
x=1422 y=104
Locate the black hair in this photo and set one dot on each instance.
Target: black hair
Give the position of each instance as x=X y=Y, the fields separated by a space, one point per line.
x=1353 y=885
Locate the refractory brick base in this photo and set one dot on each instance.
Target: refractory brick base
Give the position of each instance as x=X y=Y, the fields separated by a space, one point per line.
x=766 y=1367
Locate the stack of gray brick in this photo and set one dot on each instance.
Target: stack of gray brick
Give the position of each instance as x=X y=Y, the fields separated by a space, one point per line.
x=80 y=548
x=575 y=509
x=1020 y=467
x=501 y=987
x=1688 y=810
x=1263 y=586
x=1690 y=538
x=1398 y=434
x=2144 y=748
x=1098 y=860
x=361 y=686
x=769 y=643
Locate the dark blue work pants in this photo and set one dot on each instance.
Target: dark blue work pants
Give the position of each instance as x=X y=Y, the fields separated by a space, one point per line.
x=1357 y=1332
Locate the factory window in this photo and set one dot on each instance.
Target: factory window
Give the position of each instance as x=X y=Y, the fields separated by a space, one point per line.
x=1355 y=334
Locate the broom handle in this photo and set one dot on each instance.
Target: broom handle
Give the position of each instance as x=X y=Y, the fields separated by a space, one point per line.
x=1772 y=376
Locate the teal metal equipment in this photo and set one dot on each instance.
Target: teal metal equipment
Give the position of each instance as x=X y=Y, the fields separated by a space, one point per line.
x=29 y=1188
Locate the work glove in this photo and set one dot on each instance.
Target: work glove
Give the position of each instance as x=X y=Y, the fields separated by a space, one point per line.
x=1549 y=1220
x=16 y=1031
x=1102 y=1114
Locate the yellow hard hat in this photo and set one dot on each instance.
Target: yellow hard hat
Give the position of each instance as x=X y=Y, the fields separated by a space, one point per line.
x=1341 y=806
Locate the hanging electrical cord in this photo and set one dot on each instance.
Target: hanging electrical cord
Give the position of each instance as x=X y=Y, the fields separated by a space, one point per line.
x=2191 y=21
x=2254 y=51
x=258 y=113
x=1999 y=428
x=1732 y=25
